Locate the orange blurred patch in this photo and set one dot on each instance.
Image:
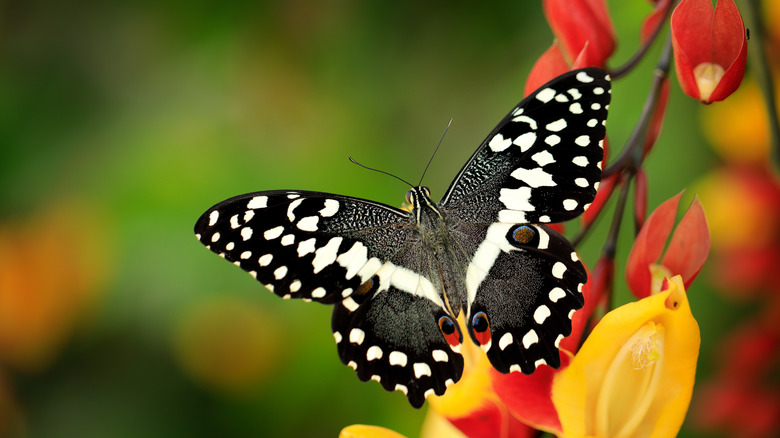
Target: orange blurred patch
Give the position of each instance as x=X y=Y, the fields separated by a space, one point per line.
x=743 y=208
x=738 y=128
x=52 y=269
x=227 y=344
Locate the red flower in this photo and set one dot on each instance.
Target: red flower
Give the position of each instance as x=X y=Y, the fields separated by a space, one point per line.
x=710 y=48
x=684 y=256
x=581 y=23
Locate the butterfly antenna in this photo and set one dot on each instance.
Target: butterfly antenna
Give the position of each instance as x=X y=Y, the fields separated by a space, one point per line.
x=381 y=171
x=434 y=151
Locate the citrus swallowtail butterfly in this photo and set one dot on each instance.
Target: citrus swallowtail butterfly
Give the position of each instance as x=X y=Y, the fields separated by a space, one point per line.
x=399 y=279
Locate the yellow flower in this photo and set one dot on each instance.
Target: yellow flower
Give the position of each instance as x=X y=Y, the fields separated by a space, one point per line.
x=634 y=375
x=364 y=431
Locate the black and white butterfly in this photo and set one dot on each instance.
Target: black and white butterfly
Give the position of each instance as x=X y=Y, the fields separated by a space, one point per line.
x=399 y=279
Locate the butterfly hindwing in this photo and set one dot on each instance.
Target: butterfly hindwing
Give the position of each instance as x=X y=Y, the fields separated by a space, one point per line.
x=521 y=308
x=309 y=245
x=542 y=163
x=392 y=336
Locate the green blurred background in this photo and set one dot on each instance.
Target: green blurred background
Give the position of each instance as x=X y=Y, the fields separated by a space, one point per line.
x=121 y=122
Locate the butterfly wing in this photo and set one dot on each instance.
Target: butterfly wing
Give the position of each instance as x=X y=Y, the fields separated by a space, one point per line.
x=542 y=163
x=361 y=256
x=309 y=245
x=523 y=284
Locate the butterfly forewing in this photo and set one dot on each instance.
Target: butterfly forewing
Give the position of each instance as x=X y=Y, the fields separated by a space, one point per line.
x=542 y=163
x=308 y=245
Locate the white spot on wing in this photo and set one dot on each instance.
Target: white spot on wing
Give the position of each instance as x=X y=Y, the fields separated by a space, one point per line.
x=543 y=158
x=525 y=141
x=580 y=161
x=546 y=95
x=290 y=208
x=234 y=222
x=265 y=260
x=440 y=355
x=575 y=108
x=570 y=204
x=584 y=77
x=525 y=119
x=287 y=240
x=318 y=292
x=246 y=233
x=582 y=140
x=582 y=182
x=273 y=233
x=505 y=341
x=558 y=270
x=557 y=125
x=280 y=272
x=356 y=336
x=517 y=199
x=498 y=143
x=421 y=369
x=397 y=358
x=309 y=223
x=257 y=202
x=326 y=255
x=306 y=247
x=541 y=314
x=350 y=304
x=353 y=259
x=213 y=217
x=552 y=140
x=373 y=353
x=530 y=338
x=536 y=177
x=331 y=207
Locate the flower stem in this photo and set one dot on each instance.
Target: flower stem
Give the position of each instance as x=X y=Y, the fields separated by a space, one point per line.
x=758 y=59
x=639 y=54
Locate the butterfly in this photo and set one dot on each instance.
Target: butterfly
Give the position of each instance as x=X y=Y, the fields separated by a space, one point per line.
x=400 y=278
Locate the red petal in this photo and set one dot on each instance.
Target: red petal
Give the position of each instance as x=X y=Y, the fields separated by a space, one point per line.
x=648 y=246
x=528 y=397
x=654 y=19
x=728 y=33
x=692 y=31
x=550 y=65
x=657 y=121
x=577 y=22
x=690 y=245
x=492 y=420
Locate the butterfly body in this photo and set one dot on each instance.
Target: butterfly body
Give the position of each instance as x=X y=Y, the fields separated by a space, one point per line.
x=399 y=279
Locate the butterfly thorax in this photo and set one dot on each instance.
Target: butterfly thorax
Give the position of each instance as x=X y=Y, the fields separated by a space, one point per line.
x=445 y=267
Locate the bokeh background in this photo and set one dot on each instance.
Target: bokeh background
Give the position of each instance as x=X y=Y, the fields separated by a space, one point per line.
x=121 y=122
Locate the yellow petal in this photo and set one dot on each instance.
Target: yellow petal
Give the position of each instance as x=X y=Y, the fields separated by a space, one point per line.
x=364 y=431
x=634 y=375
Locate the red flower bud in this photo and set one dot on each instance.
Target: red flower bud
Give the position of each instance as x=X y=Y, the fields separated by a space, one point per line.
x=710 y=48
x=685 y=256
x=581 y=23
